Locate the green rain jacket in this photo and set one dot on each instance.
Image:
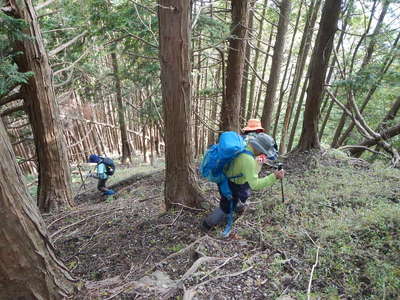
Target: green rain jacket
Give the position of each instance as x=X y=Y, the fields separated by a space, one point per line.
x=247 y=166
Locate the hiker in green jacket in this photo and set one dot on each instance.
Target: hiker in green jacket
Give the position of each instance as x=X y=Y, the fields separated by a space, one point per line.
x=243 y=177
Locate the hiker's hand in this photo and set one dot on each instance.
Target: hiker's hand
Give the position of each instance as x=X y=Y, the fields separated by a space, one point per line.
x=262 y=158
x=279 y=174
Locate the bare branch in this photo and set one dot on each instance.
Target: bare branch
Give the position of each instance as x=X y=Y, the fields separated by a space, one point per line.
x=129 y=34
x=68 y=80
x=44 y=4
x=59 y=29
x=359 y=147
x=10 y=98
x=67 y=44
x=11 y=110
x=70 y=66
x=312 y=273
x=49 y=13
x=6 y=9
x=19 y=126
x=145 y=7
x=27 y=139
x=198 y=14
x=349 y=113
x=365 y=130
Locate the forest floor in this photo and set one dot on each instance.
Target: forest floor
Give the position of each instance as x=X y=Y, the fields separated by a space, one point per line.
x=336 y=236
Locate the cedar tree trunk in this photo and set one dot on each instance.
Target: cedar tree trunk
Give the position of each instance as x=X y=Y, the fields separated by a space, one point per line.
x=174 y=29
x=230 y=111
x=54 y=172
x=126 y=149
x=28 y=266
x=319 y=63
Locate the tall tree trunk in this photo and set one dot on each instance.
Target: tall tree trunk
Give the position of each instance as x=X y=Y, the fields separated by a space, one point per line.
x=256 y=58
x=377 y=29
x=214 y=104
x=385 y=67
x=326 y=118
x=174 y=32
x=197 y=100
x=319 y=64
x=29 y=268
x=284 y=14
x=260 y=90
x=337 y=139
x=282 y=89
x=305 y=47
x=298 y=111
x=231 y=102
x=126 y=149
x=54 y=188
x=246 y=75
x=350 y=6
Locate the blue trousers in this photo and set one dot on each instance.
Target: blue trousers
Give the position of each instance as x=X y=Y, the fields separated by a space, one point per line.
x=239 y=192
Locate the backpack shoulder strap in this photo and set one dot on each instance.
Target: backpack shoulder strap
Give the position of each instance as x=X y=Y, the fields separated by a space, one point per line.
x=245 y=152
x=248 y=152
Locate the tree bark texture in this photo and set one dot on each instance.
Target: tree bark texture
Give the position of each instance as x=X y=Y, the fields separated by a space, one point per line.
x=255 y=64
x=246 y=74
x=319 y=63
x=338 y=137
x=174 y=30
x=275 y=73
x=28 y=266
x=332 y=68
x=126 y=148
x=283 y=81
x=230 y=110
x=305 y=47
x=54 y=188
x=260 y=89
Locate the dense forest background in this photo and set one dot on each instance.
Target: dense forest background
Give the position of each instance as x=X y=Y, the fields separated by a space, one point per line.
x=104 y=61
x=137 y=80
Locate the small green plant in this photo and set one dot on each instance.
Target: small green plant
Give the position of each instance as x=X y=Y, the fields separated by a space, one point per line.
x=176 y=247
x=109 y=199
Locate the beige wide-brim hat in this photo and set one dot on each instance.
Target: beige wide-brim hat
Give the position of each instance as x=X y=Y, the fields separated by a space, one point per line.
x=253 y=124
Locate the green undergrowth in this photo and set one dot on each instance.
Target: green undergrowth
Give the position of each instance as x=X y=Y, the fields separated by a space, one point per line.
x=350 y=216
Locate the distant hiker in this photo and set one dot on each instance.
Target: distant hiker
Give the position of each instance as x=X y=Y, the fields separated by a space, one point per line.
x=242 y=174
x=253 y=127
x=104 y=169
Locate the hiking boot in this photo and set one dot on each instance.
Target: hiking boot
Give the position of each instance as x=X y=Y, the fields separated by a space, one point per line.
x=204 y=226
x=241 y=208
x=215 y=218
x=109 y=192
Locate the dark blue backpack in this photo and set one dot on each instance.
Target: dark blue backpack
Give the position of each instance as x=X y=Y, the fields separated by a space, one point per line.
x=218 y=157
x=109 y=163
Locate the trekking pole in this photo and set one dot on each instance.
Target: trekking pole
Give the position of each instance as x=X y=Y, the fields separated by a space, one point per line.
x=280 y=167
x=83 y=183
x=80 y=174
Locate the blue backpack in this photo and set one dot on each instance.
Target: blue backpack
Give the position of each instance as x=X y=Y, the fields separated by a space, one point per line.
x=109 y=163
x=218 y=157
